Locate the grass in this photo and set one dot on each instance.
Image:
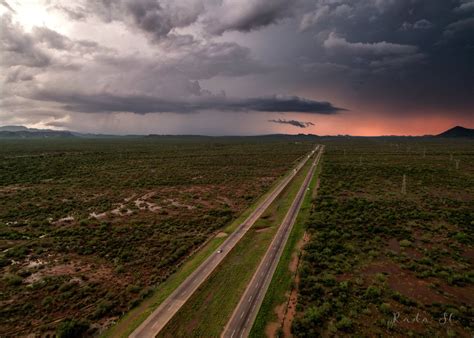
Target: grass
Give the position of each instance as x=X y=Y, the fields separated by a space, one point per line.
x=283 y=278
x=219 y=295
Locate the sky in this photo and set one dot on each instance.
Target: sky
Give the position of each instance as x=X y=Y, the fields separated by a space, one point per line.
x=239 y=67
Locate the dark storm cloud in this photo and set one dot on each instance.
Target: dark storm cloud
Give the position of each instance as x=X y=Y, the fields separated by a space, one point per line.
x=156 y=18
x=246 y=15
x=339 y=45
x=465 y=6
x=151 y=17
x=405 y=55
x=140 y=104
x=296 y=123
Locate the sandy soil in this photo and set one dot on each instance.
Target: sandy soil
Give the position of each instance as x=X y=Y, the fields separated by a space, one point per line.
x=286 y=312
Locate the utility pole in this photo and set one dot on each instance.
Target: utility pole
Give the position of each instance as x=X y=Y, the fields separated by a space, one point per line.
x=457 y=164
x=424 y=152
x=404 y=185
x=451 y=156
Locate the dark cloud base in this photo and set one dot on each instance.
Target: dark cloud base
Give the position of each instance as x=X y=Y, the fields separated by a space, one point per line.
x=148 y=104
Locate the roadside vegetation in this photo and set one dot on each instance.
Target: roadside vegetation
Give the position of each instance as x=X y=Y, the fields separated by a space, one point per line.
x=211 y=306
x=380 y=262
x=90 y=228
x=280 y=296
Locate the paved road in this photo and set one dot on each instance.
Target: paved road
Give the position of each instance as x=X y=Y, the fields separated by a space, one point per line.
x=161 y=316
x=246 y=311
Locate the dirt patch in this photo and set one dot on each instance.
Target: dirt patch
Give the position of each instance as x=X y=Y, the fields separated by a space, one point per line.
x=295 y=256
x=98 y=216
x=75 y=270
x=179 y=204
x=290 y=312
x=344 y=276
x=469 y=255
x=272 y=328
x=463 y=295
x=393 y=245
x=221 y=234
x=405 y=282
x=286 y=312
x=64 y=220
x=12 y=188
x=413 y=253
x=142 y=203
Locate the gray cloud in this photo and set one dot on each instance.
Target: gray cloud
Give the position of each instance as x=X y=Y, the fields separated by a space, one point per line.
x=19 y=48
x=420 y=24
x=457 y=27
x=337 y=44
x=156 y=18
x=296 y=123
x=7 y=6
x=140 y=104
x=428 y=42
x=52 y=38
x=400 y=56
x=160 y=18
x=248 y=15
x=465 y=6
x=76 y=13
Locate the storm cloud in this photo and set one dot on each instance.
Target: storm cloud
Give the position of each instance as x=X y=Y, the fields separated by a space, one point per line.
x=140 y=104
x=390 y=59
x=295 y=123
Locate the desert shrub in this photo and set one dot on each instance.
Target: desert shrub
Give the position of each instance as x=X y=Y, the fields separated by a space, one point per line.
x=72 y=328
x=13 y=280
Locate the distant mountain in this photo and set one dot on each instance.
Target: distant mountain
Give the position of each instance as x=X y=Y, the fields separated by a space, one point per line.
x=24 y=132
x=458 y=131
x=36 y=134
x=13 y=128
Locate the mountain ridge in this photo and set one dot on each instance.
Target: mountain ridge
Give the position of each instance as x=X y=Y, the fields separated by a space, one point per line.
x=457 y=132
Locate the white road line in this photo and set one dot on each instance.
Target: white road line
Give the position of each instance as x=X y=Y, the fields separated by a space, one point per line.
x=232 y=334
x=250 y=299
x=241 y=315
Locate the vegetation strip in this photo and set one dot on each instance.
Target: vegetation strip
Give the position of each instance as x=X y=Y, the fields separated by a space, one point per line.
x=278 y=293
x=158 y=319
x=217 y=297
x=244 y=314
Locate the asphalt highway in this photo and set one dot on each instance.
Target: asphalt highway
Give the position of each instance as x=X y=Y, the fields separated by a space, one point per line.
x=168 y=308
x=246 y=311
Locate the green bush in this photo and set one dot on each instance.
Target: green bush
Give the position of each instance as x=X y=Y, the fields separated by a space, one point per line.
x=405 y=243
x=72 y=329
x=373 y=293
x=13 y=280
x=344 y=324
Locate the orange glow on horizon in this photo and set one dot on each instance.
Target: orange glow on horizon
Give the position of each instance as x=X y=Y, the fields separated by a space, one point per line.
x=375 y=125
